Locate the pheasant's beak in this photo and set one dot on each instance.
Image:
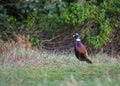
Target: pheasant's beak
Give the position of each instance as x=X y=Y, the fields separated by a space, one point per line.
x=73 y=35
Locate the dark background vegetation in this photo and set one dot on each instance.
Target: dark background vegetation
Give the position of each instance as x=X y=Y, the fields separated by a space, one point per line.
x=51 y=23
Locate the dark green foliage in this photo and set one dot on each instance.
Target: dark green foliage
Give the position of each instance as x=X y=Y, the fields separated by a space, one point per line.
x=74 y=14
x=98 y=34
x=42 y=19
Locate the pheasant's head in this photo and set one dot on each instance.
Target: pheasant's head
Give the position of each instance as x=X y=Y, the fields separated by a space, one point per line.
x=77 y=37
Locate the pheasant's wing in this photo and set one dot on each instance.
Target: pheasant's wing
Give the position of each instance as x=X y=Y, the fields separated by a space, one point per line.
x=85 y=54
x=83 y=50
x=86 y=57
x=80 y=52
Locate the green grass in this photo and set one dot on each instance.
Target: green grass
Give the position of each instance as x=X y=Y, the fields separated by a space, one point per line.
x=34 y=68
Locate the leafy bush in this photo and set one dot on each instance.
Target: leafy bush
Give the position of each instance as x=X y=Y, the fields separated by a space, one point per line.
x=98 y=34
x=43 y=19
x=74 y=14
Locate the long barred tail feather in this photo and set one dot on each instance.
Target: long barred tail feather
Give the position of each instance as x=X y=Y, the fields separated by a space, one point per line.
x=89 y=61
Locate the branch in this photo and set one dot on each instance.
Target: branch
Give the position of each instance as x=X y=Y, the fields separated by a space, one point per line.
x=53 y=38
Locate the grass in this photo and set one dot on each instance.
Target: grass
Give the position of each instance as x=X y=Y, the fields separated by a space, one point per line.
x=19 y=67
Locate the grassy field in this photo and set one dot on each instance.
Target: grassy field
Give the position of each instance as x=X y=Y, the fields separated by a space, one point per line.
x=19 y=67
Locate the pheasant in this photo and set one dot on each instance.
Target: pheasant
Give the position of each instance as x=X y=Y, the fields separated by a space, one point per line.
x=80 y=50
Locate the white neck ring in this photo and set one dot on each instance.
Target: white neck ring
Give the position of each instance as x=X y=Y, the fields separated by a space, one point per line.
x=77 y=39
